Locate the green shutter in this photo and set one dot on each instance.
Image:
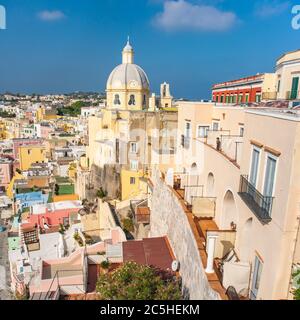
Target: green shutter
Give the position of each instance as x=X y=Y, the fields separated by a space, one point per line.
x=294 y=92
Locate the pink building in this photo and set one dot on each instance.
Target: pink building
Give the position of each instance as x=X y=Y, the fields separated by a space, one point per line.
x=53 y=214
x=46 y=131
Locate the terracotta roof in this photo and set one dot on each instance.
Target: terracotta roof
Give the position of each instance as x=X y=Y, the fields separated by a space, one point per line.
x=151 y=251
x=143 y=215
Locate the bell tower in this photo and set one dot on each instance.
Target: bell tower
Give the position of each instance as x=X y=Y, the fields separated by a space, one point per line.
x=165 y=96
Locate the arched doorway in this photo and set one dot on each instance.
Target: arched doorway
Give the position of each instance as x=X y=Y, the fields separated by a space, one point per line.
x=229 y=213
x=210 y=185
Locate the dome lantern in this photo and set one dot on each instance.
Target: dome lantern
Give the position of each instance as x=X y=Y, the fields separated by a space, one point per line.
x=128 y=53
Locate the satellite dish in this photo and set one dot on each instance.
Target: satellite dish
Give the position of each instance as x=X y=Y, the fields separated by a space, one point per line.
x=175 y=266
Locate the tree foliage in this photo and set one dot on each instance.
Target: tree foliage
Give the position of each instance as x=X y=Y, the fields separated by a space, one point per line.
x=73 y=110
x=101 y=193
x=5 y=114
x=128 y=224
x=132 y=281
x=296 y=292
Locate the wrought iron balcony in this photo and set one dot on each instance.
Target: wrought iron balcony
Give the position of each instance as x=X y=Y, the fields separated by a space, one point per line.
x=259 y=204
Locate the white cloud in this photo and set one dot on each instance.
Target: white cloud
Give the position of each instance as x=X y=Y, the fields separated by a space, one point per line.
x=183 y=15
x=271 y=8
x=47 y=15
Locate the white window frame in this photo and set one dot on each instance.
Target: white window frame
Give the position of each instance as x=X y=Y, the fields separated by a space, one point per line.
x=136 y=147
x=190 y=129
x=247 y=97
x=268 y=154
x=258 y=95
x=255 y=277
x=242 y=128
x=134 y=165
x=213 y=123
x=258 y=165
x=198 y=131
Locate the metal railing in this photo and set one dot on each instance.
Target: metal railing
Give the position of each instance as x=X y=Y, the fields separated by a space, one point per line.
x=53 y=292
x=232 y=145
x=203 y=207
x=259 y=204
x=269 y=95
x=212 y=136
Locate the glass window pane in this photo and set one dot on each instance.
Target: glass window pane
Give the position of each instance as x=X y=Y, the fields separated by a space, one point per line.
x=254 y=167
x=269 y=177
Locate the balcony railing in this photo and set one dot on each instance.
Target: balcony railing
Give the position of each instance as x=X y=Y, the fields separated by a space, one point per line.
x=229 y=145
x=269 y=95
x=259 y=204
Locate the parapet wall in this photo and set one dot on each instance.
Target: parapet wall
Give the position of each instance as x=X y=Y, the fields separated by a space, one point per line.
x=168 y=218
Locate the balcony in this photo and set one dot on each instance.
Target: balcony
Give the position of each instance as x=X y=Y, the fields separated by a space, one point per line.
x=260 y=205
x=269 y=95
x=230 y=146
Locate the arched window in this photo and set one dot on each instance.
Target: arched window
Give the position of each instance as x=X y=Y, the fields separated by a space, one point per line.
x=132 y=100
x=210 y=186
x=144 y=100
x=229 y=214
x=117 y=99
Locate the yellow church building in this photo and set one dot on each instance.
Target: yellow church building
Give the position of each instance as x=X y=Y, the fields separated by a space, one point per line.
x=121 y=135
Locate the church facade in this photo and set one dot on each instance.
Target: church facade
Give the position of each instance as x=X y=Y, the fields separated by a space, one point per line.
x=125 y=136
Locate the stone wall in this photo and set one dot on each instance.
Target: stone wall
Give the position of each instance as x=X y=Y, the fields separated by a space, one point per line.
x=168 y=218
x=107 y=178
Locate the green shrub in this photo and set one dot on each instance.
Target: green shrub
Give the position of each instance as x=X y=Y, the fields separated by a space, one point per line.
x=128 y=225
x=132 y=281
x=296 y=293
x=101 y=193
x=105 y=264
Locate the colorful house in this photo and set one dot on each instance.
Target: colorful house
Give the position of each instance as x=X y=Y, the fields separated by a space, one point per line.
x=26 y=200
x=31 y=154
x=53 y=214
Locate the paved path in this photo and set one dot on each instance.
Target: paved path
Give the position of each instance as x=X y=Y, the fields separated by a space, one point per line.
x=4 y=267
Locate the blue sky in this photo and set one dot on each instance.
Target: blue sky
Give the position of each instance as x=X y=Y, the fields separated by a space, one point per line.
x=54 y=46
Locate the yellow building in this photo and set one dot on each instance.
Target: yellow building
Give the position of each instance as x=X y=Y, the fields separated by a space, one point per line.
x=288 y=74
x=2 y=130
x=31 y=154
x=120 y=145
x=128 y=86
x=43 y=113
x=10 y=188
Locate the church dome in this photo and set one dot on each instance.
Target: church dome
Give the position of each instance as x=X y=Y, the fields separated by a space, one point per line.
x=128 y=75
x=128 y=86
